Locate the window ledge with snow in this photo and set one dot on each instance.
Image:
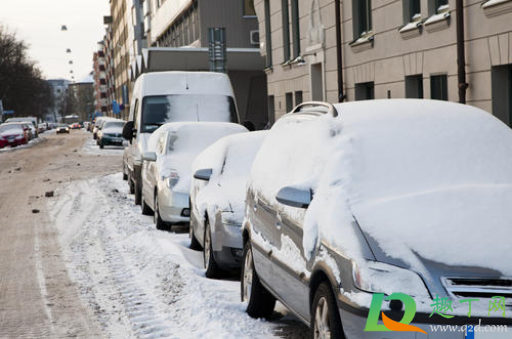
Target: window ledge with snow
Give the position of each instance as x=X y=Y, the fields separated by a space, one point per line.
x=364 y=43
x=437 y=22
x=497 y=7
x=411 y=30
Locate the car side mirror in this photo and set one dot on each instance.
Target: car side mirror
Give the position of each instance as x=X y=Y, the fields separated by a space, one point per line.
x=149 y=156
x=128 y=130
x=294 y=197
x=203 y=174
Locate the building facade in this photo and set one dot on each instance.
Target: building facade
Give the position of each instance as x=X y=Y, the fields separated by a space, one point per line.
x=100 y=80
x=59 y=89
x=389 y=49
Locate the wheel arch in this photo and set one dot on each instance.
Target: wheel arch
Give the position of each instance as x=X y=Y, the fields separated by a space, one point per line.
x=321 y=274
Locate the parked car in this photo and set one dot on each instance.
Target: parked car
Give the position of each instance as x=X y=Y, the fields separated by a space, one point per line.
x=75 y=125
x=96 y=126
x=42 y=127
x=101 y=123
x=62 y=128
x=27 y=127
x=12 y=134
x=32 y=121
x=166 y=172
x=163 y=97
x=379 y=196
x=217 y=200
x=111 y=133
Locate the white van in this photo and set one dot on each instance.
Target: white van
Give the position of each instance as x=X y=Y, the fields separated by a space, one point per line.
x=163 y=97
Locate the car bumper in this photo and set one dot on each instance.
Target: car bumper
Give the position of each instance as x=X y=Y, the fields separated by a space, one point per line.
x=227 y=243
x=174 y=206
x=112 y=141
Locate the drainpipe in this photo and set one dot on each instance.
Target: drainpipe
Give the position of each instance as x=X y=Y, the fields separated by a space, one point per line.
x=341 y=95
x=461 y=53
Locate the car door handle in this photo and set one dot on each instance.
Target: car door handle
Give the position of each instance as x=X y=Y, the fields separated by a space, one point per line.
x=255 y=208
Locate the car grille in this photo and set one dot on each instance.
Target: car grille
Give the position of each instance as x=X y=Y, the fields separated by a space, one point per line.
x=478 y=287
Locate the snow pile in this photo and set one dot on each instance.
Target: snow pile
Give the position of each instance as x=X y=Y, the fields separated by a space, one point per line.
x=231 y=160
x=141 y=282
x=185 y=141
x=420 y=176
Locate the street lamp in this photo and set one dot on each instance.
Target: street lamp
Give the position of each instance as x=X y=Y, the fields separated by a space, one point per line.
x=63 y=28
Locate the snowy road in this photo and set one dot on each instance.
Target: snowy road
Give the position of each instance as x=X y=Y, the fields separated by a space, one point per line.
x=89 y=265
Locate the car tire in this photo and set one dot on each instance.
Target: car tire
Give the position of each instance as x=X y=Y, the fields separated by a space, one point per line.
x=146 y=210
x=213 y=271
x=159 y=223
x=260 y=303
x=101 y=145
x=125 y=176
x=138 y=194
x=325 y=317
x=194 y=243
x=131 y=185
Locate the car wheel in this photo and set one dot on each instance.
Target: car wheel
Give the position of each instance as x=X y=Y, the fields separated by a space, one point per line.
x=146 y=210
x=260 y=303
x=325 y=318
x=131 y=185
x=125 y=176
x=212 y=269
x=194 y=243
x=160 y=224
x=138 y=194
x=101 y=145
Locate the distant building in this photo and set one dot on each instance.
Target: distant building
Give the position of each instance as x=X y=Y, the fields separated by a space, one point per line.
x=83 y=92
x=101 y=103
x=59 y=89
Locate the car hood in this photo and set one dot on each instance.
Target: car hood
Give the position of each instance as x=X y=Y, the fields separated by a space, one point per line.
x=461 y=230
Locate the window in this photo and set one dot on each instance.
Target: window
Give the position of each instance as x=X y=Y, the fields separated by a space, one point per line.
x=286 y=30
x=412 y=10
x=271 y=110
x=295 y=28
x=362 y=17
x=365 y=91
x=249 y=8
x=439 y=87
x=268 y=35
x=298 y=98
x=502 y=93
x=441 y=6
x=414 y=86
x=289 y=102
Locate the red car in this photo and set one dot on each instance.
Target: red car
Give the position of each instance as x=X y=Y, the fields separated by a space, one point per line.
x=12 y=134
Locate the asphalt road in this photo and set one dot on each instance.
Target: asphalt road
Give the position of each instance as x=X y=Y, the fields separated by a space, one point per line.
x=37 y=299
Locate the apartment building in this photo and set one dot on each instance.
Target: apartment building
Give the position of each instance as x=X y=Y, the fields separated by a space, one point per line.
x=101 y=103
x=389 y=49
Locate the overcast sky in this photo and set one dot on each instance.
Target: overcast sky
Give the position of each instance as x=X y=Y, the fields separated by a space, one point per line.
x=38 y=22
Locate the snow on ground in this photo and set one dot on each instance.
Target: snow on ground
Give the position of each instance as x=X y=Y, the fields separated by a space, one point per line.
x=90 y=147
x=145 y=283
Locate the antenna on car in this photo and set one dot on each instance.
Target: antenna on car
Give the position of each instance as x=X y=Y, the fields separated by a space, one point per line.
x=316 y=107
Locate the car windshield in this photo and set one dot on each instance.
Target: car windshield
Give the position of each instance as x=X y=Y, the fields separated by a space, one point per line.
x=158 y=110
x=10 y=128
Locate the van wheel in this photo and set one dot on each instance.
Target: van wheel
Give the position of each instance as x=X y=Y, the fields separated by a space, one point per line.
x=125 y=176
x=260 y=303
x=213 y=271
x=325 y=318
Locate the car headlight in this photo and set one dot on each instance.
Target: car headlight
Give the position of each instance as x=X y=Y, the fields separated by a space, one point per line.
x=377 y=277
x=172 y=179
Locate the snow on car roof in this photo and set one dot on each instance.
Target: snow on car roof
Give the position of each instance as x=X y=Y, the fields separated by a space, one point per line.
x=424 y=178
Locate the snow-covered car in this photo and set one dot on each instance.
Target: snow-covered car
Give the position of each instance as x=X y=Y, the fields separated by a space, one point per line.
x=42 y=127
x=352 y=203
x=217 y=200
x=166 y=171
x=13 y=134
x=111 y=133
x=62 y=128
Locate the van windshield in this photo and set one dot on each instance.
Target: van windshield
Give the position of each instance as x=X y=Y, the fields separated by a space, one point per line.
x=158 y=110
